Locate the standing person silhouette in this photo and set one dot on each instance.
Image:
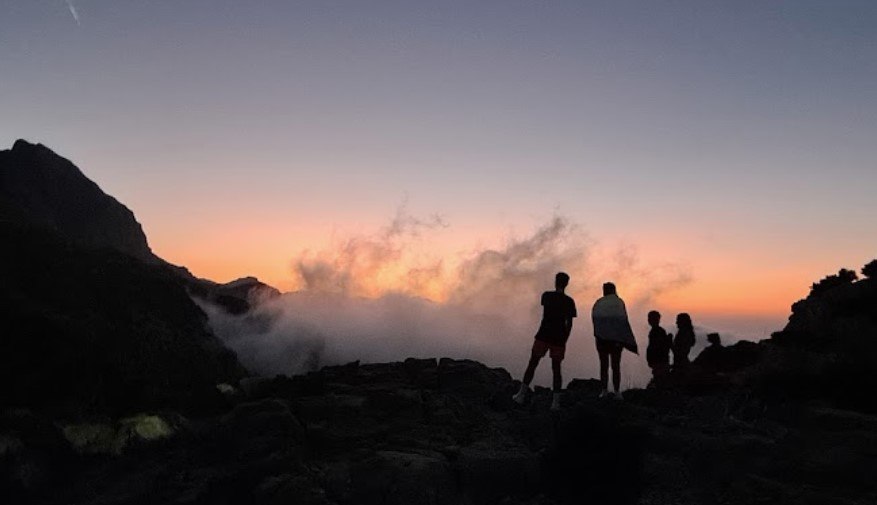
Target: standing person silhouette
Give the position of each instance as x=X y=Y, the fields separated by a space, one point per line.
x=612 y=334
x=558 y=311
x=683 y=342
x=658 y=350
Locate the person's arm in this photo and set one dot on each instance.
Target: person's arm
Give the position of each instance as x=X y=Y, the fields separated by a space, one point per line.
x=567 y=323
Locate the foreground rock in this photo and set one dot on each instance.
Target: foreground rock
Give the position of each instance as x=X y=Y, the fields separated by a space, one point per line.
x=446 y=432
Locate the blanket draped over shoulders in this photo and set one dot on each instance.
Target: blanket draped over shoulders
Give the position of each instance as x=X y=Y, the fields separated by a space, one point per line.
x=610 y=322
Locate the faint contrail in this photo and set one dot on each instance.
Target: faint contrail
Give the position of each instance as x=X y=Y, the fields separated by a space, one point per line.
x=73 y=11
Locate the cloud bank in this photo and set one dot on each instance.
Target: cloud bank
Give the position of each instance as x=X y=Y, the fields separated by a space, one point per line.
x=380 y=296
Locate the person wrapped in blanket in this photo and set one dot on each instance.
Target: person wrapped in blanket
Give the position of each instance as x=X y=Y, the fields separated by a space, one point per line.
x=612 y=334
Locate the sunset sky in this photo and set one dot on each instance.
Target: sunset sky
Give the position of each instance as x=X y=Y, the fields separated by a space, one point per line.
x=733 y=143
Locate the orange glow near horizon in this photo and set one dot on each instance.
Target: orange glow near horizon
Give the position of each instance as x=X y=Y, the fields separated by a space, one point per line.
x=719 y=285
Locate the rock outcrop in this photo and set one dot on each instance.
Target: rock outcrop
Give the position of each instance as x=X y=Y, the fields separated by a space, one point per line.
x=829 y=347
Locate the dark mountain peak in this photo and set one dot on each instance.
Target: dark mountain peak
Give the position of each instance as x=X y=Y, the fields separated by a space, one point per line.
x=246 y=285
x=23 y=145
x=40 y=188
x=243 y=281
x=235 y=297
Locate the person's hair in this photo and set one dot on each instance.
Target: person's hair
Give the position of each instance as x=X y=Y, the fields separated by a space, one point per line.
x=609 y=288
x=654 y=314
x=684 y=319
x=561 y=279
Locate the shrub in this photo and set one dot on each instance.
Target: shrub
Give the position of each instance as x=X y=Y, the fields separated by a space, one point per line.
x=870 y=270
x=842 y=277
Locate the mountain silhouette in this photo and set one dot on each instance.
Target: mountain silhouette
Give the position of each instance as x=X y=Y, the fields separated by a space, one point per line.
x=97 y=323
x=44 y=190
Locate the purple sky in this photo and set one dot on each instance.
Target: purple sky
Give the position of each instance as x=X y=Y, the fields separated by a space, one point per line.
x=734 y=139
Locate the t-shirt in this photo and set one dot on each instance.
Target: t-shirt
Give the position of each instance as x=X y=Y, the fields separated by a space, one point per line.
x=557 y=309
x=658 y=351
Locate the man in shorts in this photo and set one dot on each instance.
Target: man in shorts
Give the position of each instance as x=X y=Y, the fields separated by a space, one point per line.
x=557 y=314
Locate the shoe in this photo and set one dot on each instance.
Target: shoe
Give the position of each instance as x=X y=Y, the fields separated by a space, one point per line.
x=604 y=393
x=618 y=396
x=521 y=396
x=555 y=402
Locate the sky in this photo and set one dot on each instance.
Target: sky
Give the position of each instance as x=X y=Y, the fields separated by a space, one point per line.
x=716 y=156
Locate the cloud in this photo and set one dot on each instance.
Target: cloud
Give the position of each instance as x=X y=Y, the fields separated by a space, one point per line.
x=73 y=11
x=382 y=297
x=644 y=282
x=368 y=265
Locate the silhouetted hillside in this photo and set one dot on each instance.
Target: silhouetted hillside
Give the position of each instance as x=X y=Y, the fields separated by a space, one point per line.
x=839 y=314
x=40 y=188
x=97 y=323
x=828 y=350
x=92 y=331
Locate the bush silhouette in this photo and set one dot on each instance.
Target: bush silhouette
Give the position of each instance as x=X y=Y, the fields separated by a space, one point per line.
x=842 y=277
x=870 y=270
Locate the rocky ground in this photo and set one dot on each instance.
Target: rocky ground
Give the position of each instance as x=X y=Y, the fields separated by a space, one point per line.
x=435 y=432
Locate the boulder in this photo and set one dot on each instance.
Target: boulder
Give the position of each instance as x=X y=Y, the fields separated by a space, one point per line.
x=402 y=478
x=261 y=428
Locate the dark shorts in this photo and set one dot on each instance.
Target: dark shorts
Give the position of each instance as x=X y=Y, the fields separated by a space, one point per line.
x=608 y=346
x=556 y=351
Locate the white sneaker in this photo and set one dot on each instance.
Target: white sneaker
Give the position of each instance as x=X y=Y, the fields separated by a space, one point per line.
x=618 y=396
x=555 y=402
x=521 y=396
x=604 y=393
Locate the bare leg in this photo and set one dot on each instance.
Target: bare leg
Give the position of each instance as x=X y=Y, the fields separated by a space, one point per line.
x=616 y=370
x=558 y=380
x=531 y=369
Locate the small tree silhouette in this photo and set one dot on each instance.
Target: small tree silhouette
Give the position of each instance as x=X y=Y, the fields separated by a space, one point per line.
x=842 y=277
x=870 y=270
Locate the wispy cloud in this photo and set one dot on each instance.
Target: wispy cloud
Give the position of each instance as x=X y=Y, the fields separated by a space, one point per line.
x=73 y=11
